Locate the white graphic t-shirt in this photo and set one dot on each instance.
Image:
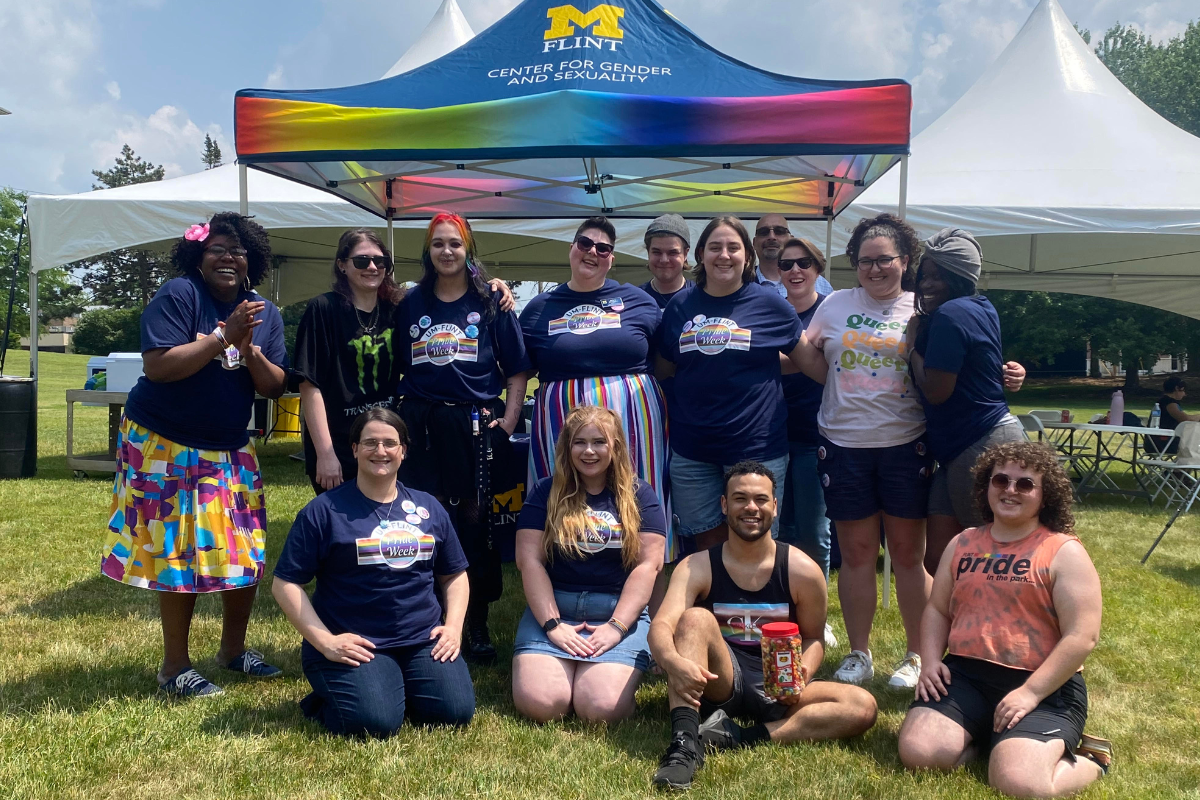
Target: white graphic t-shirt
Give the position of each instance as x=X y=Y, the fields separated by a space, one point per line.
x=869 y=398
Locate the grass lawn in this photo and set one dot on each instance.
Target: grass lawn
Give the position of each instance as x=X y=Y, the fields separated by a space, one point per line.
x=78 y=715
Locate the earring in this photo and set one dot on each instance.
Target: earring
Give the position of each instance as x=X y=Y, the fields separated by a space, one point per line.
x=246 y=284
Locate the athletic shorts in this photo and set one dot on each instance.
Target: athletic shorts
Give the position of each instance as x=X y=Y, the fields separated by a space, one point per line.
x=862 y=481
x=952 y=493
x=748 y=700
x=977 y=687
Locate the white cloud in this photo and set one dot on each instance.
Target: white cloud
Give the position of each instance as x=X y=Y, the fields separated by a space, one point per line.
x=113 y=89
x=167 y=137
x=275 y=79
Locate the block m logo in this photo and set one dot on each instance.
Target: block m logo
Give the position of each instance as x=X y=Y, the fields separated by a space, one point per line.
x=605 y=18
x=508 y=501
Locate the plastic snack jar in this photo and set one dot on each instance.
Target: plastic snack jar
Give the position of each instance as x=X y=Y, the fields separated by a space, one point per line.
x=782 y=674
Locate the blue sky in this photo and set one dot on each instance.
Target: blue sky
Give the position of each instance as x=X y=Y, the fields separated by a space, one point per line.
x=82 y=77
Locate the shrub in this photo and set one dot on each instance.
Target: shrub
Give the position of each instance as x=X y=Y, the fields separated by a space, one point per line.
x=108 y=330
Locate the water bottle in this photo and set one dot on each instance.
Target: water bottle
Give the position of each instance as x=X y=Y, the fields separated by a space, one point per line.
x=1155 y=416
x=1116 y=412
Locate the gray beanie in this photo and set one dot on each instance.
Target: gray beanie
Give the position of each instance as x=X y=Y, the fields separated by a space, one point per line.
x=955 y=250
x=669 y=225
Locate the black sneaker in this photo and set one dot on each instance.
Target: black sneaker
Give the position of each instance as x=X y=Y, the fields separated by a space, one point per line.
x=678 y=765
x=480 y=649
x=719 y=732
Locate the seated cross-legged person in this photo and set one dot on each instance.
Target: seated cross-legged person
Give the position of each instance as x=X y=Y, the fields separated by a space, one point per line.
x=707 y=637
x=1017 y=604
x=375 y=646
x=590 y=544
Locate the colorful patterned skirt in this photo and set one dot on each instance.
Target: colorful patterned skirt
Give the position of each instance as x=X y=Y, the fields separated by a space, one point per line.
x=638 y=401
x=184 y=519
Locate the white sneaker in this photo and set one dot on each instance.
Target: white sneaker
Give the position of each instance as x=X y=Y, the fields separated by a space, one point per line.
x=830 y=639
x=907 y=672
x=856 y=668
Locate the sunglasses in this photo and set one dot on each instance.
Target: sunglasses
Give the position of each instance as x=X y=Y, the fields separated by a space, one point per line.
x=786 y=264
x=362 y=262
x=1002 y=482
x=778 y=230
x=584 y=244
x=218 y=252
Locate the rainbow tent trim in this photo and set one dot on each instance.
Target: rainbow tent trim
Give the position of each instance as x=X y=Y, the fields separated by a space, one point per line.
x=572 y=109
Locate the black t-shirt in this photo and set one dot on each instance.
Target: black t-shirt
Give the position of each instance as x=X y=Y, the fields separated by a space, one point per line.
x=1166 y=421
x=663 y=300
x=375 y=563
x=601 y=568
x=354 y=370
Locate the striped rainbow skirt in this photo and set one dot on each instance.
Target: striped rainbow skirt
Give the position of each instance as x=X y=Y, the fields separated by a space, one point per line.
x=638 y=401
x=184 y=519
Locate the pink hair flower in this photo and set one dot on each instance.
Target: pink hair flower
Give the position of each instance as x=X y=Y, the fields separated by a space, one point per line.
x=196 y=233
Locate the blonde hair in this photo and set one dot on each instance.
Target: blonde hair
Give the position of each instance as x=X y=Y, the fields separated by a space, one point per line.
x=567 y=521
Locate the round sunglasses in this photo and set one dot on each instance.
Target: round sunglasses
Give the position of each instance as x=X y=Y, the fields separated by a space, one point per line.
x=1023 y=485
x=584 y=244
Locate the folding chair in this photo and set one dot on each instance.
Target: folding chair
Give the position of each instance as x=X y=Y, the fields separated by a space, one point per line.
x=1046 y=415
x=1179 y=480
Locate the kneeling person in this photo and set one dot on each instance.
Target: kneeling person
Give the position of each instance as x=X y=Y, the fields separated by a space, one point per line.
x=707 y=635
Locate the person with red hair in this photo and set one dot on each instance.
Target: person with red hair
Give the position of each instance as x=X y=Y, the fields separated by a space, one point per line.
x=459 y=349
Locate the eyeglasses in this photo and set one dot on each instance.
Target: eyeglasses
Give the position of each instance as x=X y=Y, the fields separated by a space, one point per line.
x=786 y=264
x=1002 y=482
x=362 y=262
x=584 y=244
x=883 y=262
x=373 y=444
x=767 y=230
x=218 y=252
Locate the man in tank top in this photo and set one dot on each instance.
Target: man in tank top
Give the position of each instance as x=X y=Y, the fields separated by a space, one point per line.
x=706 y=637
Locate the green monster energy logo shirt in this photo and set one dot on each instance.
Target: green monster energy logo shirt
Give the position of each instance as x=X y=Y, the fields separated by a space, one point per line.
x=354 y=370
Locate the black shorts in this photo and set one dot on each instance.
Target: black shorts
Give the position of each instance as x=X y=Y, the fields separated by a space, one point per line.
x=977 y=687
x=748 y=699
x=861 y=481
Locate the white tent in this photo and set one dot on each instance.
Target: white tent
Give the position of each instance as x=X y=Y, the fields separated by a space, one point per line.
x=447 y=30
x=1071 y=182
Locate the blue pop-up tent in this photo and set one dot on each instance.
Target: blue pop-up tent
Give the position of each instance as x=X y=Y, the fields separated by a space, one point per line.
x=575 y=109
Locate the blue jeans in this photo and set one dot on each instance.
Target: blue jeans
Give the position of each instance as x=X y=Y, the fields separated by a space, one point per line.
x=373 y=698
x=804 y=523
x=696 y=489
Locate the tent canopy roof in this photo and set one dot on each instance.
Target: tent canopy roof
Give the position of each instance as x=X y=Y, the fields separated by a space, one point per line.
x=578 y=109
x=1069 y=180
x=447 y=30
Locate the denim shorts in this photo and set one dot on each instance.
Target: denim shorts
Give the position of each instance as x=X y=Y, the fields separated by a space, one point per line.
x=697 y=486
x=595 y=608
x=862 y=481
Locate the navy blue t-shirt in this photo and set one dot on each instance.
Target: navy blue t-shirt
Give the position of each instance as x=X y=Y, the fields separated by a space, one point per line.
x=601 y=569
x=964 y=338
x=607 y=332
x=451 y=352
x=803 y=394
x=726 y=354
x=663 y=300
x=374 y=562
x=210 y=409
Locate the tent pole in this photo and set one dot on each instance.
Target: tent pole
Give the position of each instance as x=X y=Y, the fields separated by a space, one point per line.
x=828 y=239
x=33 y=325
x=391 y=240
x=243 y=192
x=903 y=186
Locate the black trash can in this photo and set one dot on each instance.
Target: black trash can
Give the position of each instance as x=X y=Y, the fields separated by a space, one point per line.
x=18 y=427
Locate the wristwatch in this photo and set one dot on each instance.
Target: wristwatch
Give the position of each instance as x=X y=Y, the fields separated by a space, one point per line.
x=551 y=624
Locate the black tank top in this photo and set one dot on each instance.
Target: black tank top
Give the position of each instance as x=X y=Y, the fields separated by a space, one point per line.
x=740 y=612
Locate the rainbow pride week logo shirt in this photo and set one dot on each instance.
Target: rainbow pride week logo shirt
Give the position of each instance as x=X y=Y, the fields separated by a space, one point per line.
x=398 y=545
x=713 y=335
x=442 y=344
x=587 y=318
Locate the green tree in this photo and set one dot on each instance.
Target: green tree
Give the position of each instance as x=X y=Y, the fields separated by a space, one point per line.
x=1164 y=75
x=124 y=277
x=212 y=153
x=108 y=330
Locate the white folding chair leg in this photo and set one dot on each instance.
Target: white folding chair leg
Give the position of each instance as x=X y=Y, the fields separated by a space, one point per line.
x=887 y=577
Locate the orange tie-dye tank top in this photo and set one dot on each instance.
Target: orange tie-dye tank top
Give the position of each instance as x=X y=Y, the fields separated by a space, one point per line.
x=1002 y=606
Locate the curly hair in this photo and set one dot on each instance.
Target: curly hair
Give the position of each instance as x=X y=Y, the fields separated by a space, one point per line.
x=1057 y=496
x=187 y=255
x=389 y=292
x=903 y=235
x=734 y=224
